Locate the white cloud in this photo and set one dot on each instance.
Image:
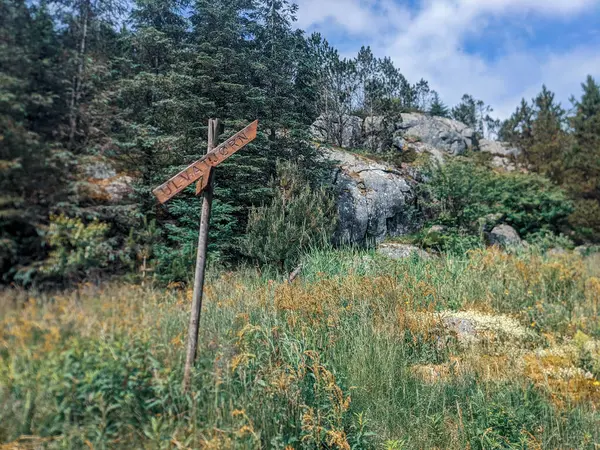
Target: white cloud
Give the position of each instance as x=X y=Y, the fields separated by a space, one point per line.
x=428 y=42
x=357 y=17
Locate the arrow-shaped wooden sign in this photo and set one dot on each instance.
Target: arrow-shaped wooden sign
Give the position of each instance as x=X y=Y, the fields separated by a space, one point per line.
x=200 y=170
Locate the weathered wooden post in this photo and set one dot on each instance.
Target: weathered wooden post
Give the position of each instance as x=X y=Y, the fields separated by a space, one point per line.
x=202 y=172
x=192 y=341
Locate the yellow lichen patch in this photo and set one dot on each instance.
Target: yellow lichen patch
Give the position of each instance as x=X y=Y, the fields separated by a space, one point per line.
x=555 y=371
x=488 y=328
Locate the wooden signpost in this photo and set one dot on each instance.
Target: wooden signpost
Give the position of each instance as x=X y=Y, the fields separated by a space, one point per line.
x=202 y=172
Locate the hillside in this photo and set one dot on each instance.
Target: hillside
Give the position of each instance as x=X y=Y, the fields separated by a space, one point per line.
x=383 y=270
x=490 y=350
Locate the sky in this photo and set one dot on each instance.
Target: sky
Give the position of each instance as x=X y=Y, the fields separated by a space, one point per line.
x=499 y=51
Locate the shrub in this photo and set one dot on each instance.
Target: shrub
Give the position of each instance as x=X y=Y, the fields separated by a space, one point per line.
x=460 y=193
x=77 y=248
x=545 y=240
x=298 y=217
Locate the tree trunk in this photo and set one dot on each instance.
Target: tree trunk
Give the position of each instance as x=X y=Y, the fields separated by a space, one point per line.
x=78 y=79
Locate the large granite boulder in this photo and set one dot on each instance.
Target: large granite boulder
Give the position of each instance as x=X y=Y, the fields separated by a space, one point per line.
x=450 y=136
x=374 y=200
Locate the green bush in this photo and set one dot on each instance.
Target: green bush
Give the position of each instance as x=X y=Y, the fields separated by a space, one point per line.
x=460 y=194
x=545 y=240
x=299 y=217
x=77 y=248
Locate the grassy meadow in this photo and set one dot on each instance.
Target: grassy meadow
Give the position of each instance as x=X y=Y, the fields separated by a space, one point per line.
x=359 y=352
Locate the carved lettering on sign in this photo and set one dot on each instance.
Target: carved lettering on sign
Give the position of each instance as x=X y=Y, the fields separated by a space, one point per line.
x=201 y=168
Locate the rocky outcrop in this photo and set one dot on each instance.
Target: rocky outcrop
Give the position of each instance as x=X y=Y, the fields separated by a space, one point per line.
x=450 y=136
x=419 y=132
x=374 y=200
x=504 y=156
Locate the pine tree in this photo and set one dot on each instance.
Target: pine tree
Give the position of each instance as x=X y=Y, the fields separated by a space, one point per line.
x=538 y=130
x=370 y=82
x=466 y=111
x=338 y=84
x=31 y=111
x=586 y=126
x=583 y=164
x=476 y=115
x=518 y=128
x=281 y=54
x=438 y=108
x=422 y=95
x=546 y=155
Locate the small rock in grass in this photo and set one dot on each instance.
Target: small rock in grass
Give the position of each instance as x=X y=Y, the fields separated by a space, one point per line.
x=401 y=251
x=504 y=236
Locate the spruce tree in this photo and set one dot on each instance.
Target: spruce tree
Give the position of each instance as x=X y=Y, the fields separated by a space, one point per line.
x=160 y=126
x=32 y=163
x=466 y=111
x=223 y=37
x=518 y=128
x=281 y=55
x=438 y=108
x=546 y=155
x=583 y=165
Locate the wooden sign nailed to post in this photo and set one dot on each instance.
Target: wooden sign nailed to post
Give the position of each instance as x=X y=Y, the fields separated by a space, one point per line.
x=202 y=171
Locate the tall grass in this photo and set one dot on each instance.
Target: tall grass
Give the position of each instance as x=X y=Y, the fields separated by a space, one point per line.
x=354 y=354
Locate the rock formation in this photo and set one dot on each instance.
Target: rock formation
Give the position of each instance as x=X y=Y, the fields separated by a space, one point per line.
x=423 y=133
x=101 y=183
x=374 y=200
x=504 y=156
x=450 y=136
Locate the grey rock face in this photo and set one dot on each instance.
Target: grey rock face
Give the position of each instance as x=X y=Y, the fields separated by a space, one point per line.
x=374 y=200
x=498 y=148
x=119 y=188
x=401 y=251
x=448 y=135
x=504 y=236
